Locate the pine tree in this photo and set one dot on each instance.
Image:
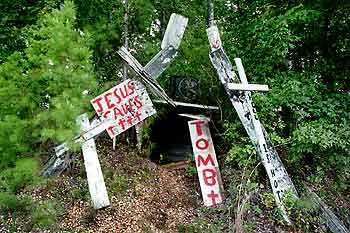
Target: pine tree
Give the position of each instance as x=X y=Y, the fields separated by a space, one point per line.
x=41 y=89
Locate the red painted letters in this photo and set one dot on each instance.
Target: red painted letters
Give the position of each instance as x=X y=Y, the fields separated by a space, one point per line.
x=207 y=167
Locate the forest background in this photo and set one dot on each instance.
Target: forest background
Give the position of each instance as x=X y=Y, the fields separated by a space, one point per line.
x=51 y=51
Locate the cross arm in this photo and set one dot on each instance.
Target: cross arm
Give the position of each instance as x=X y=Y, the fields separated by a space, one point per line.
x=144 y=75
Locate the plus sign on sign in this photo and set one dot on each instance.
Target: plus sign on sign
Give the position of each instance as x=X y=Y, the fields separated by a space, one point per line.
x=123 y=106
x=206 y=162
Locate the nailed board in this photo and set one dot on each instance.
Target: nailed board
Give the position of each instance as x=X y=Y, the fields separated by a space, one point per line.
x=143 y=74
x=174 y=32
x=206 y=162
x=124 y=106
x=97 y=187
x=160 y=62
x=242 y=103
x=332 y=221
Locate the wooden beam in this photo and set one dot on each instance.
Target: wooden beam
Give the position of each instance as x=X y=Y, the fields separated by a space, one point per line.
x=189 y=105
x=174 y=32
x=278 y=176
x=97 y=187
x=247 y=87
x=195 y=117
x=332 y=221
x=160 y=62
x=142 y=73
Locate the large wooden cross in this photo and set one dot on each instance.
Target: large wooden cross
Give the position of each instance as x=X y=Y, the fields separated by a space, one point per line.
x=171 y=41
x=160 y=62
x=238 y=90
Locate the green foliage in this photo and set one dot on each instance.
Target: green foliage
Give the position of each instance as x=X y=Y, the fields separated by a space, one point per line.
x=268 y=200
x=13 y=180
x=119 y=183
x=45 y=214
x=303 y=212
x=41 y=88
x=80 y=193
x=10 y=203
x=298 y=49
x=191 y=170
x=14 y=15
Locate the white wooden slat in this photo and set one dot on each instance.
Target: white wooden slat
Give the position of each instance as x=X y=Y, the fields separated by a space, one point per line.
x=177 y=103
x=160 y=62
x=175 y=30
x=275 y=169
x=137 y=67
x=195 y=117
x=97 y=187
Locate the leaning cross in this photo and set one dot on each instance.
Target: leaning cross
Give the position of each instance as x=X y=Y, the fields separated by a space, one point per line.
x=171 y=41
x=160 y=62
x=238 y=90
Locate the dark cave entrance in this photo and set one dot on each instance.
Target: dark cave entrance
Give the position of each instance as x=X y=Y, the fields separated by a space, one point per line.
x=170 y=136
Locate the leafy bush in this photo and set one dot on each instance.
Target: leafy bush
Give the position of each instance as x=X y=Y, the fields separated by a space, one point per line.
x=303 y=212
x=119 y=183
x=41 y=87
x=23 y=174
x=10 y=203
x=46 y=213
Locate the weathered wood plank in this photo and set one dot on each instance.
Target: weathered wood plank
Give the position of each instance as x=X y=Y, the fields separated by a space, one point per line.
x=160 y=62
x=97 y=187
x=137 y=67
x=174 y=32
x=332 y=221
x=206 y=162
x=195 y=117
x=177 y=103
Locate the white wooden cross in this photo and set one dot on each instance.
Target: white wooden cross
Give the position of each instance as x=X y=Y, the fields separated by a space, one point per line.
x=170 y=43
x=238 y=90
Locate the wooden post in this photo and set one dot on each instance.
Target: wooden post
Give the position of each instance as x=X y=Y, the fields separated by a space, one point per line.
x=97 y=187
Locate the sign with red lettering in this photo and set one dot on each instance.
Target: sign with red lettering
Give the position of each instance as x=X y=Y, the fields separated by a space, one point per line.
x=206 y=162
x=123 y=106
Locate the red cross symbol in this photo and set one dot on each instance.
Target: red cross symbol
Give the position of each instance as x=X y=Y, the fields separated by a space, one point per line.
x=138 y=114
x=213 y=197
x=130 y=120
x=216 y=43
x=121 y=123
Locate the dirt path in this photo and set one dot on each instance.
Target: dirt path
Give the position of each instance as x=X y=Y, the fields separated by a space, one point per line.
x=144 y=197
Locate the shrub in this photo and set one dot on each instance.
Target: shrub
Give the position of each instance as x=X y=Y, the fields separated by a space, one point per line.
x=119 y=183
x=10 y=203
x=45 y=214
x=23 y=174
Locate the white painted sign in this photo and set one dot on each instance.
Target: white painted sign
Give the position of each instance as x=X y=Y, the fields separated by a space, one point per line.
x=206 y=162
x=123 y=106
x=97 y=187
